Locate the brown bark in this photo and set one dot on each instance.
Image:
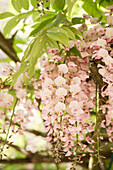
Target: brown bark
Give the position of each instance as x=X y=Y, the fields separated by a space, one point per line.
x=6 y=46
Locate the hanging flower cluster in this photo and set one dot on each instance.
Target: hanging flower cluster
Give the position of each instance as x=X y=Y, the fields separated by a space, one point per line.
x=76 y=93
x=16 y=108
x=73 y=89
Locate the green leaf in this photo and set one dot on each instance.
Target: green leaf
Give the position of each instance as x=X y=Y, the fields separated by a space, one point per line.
x=91 y=8
x=42 y=25
x=17 y=49
x=78 y=20
x=36 y=51
x=61 y=18
x=6 y=15
x=75 y=51
x=37 y=74
x=37 y=48
x=14 y=21
x=28 y=50
x=31 y=71
x=69 y=32
x=58 y=34
x=24 y=4
x=70 y=5
x=17 y=5
x=20 y=40
x=75 y=31
x=26 y=79
x=52 y=43
x=33 y=3
x=58 y=4
x=105 y=3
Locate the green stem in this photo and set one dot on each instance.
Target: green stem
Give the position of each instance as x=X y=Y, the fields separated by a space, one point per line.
x=9 y=125
x=76 y=146
x=97 y=123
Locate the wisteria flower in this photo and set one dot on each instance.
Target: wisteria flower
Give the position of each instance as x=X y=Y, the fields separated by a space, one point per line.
x=103 y=53
x=59 y=81
x=60 y=107
x=101 y=42
x=109 y=32
x=63 y=68
x=48 y=82
x=74 y=105
x=21 y=93
x=61 y=92
x=75 y=88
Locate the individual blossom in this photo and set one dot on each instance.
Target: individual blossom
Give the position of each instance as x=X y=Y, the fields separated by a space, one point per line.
x=60 y=107
x=61 y=92
x=74 y=105
x=48 y=82
x=20 y=113
x=94 y=20
x=110 y=20
x=46 y=93
x=72 y=65
x=109 y=32
x=21 y=93
x=102 y=53
x=78 y=113
x=100 y=30
x=101 y=42
x=103 y=71
x=85 y=16
x=59 y=81
x=63 y=68
x=6 y=69
x=8 y=99
x=108 y=60
x=75 y=88
x=76 y=80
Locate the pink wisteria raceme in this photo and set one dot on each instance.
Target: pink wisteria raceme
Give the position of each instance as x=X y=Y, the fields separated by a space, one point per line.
x=72 y=102
x=76 y=94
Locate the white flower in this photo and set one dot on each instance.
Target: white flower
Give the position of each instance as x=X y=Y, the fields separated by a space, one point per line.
x=76 y=80
x=61 y=92
x=63 y=68
x=48 y=82
x=79 y=112
x=21 y=93
x=46 y=93
x=109 y=32
x=60 y=106
x=75 y=88
x=20 y=113
x=103 y=53
x=60 y=81
x=71 y=65
x=101 y=42
x=108 y=60
x=74 y=105
x=8 y=99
